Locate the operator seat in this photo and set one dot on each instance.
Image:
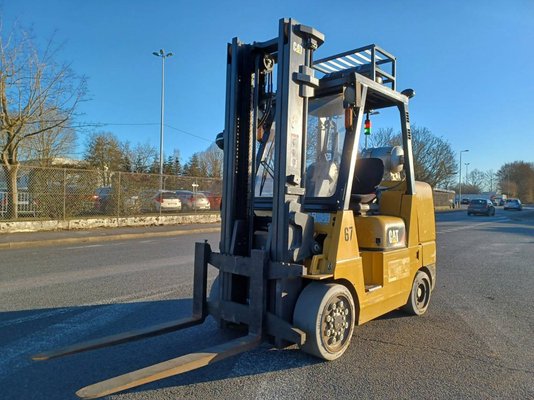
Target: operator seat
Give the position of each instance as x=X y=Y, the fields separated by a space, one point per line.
x=368 y=174
x=321 y=178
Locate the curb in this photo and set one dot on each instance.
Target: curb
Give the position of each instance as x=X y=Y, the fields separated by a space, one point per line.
x=92 y=239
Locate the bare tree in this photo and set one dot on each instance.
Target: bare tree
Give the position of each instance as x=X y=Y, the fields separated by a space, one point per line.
x=45 y=148
x=211 y=161
x=434 y=161
x=384 y=137
x=37 y=96
x=477 y=178
x=140 y=157
x=490 y=180
x=516 y=179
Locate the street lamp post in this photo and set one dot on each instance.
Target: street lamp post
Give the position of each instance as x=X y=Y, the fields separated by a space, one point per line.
x=195 y=188
x=466 y=172
x=460 y=180
x=163 y=56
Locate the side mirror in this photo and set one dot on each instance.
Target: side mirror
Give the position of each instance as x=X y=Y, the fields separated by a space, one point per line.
x=219 y=140
x=408 y=93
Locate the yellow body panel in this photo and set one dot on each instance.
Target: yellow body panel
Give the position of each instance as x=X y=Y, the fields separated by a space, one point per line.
x=380 y=278
x=380 y=232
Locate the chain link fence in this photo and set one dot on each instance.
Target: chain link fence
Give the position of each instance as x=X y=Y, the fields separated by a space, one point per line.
x=64 y=193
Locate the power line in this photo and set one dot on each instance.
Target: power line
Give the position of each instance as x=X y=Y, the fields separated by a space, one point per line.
x=102 y=124
x=188 y=133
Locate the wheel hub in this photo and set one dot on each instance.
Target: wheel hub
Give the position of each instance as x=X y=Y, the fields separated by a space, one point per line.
x=336 y=323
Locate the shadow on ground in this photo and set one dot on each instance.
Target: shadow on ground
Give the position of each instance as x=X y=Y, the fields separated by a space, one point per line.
x=24 y=333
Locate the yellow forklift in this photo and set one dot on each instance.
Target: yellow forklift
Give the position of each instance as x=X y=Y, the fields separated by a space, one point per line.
x=318 y=233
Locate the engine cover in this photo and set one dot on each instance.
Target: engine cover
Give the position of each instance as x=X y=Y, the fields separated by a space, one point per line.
x=380 y=232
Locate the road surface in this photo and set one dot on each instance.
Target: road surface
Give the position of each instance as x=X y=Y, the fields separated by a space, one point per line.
x=475 y=341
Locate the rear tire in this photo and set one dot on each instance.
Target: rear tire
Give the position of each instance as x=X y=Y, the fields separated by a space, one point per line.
x=326 y=313
x=419 y=295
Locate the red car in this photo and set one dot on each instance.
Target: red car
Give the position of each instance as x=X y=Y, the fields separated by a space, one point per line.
x=215 y=200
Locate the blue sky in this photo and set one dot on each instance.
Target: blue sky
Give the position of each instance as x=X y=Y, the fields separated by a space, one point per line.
x=470 y=62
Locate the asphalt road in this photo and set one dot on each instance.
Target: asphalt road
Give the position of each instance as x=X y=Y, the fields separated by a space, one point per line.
x=475 y=341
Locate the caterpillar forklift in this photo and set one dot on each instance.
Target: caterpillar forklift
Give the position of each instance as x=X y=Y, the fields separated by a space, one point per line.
x=318 y=235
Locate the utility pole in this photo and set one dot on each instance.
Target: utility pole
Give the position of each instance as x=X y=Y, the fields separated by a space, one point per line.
x=460 y=180
x=163 y=56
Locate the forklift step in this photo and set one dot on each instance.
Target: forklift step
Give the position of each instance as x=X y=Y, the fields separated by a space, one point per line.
x=372 y=288
x=175 y=366
x=131 y=336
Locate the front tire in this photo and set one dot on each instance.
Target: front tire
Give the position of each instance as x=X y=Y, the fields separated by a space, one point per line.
x=326 y=313
x=420 y=294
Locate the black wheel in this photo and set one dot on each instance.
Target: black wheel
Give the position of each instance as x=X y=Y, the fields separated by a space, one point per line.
x=420 y=294
x=469 y=214
x=326 y=313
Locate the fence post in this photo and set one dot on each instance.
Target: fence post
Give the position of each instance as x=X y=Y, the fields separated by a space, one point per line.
x=64 y=194
x=160 y=194
x=119 y=199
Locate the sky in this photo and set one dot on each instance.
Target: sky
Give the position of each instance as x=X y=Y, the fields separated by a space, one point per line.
x=470 y=63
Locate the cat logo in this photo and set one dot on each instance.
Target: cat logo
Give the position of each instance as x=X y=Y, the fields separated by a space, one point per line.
x=297 y=48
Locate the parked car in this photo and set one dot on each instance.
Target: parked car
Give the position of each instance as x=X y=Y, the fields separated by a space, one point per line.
x=193 y=201
x=513 y=204
x=102 y=198
x=214 y=199
x=481 y=206
x=464 y=201
x=160 y=200
x=105 y=201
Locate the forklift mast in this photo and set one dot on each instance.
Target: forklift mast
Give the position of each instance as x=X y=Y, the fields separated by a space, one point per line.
x=249 y=97
x=258 y=115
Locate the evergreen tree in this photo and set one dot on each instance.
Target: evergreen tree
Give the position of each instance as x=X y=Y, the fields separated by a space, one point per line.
x=104 y=152
x=193 y=168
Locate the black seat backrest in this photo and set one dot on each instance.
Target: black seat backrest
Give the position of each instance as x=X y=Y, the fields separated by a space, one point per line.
x=368 y=173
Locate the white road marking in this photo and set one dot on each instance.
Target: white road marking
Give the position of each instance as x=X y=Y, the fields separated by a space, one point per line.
x=40 y=315
x=16 y=354
x=464 y=227
x=130 y=298
x=106 y=271
x=83 y=247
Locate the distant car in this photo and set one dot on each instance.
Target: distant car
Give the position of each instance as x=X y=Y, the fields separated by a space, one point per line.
x=464 y=201
x=214 y=199
x=193 y=201
x=160 y=200
x=481 y=206
x=102 y=198
x=513 y=204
